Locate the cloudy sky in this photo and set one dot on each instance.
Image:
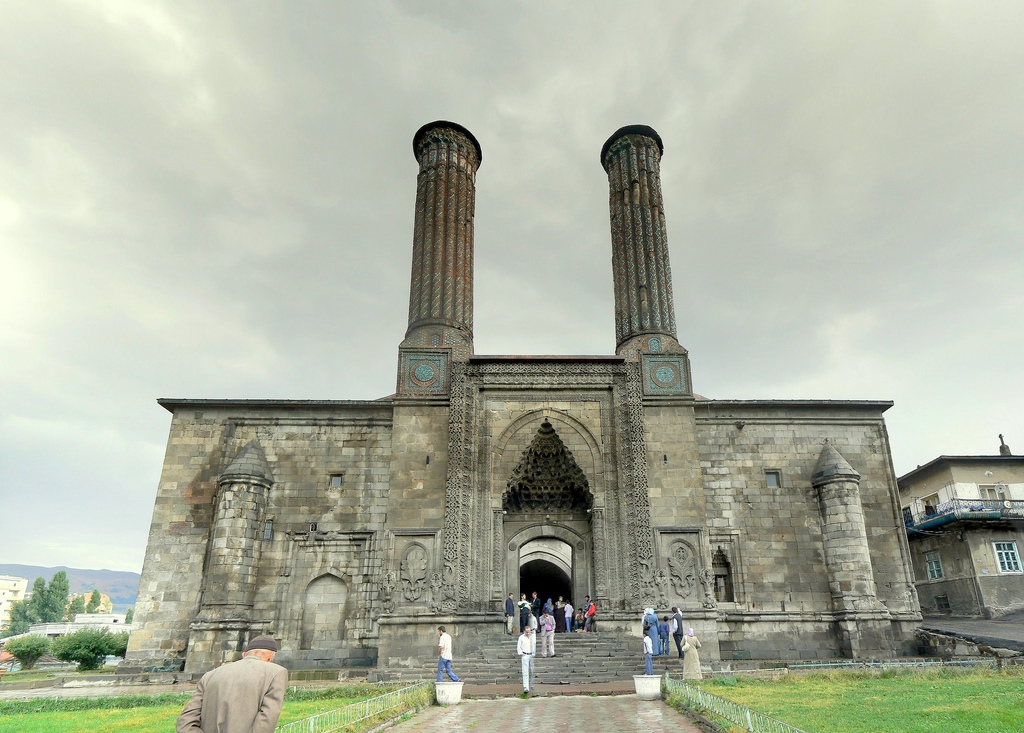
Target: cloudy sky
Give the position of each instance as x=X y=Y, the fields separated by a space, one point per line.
x=216 y=200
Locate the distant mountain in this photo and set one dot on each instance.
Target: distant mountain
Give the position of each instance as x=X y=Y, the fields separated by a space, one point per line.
x=122 y=587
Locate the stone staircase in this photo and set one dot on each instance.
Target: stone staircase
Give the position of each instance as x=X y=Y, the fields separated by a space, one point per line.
x=579 y=659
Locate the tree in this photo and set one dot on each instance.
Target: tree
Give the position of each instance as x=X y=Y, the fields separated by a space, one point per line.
x=89 y=647
x=21 y=618
x=37 y=603
x=95 y=599
x=57 y=597
x=76 y=607
x=28 y=649
x=129 y=616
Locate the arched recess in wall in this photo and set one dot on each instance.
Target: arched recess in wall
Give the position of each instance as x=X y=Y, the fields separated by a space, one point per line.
x=504 y=461
x=323 y=613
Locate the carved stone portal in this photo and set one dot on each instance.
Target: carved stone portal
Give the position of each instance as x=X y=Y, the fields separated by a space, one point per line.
x=547 y=478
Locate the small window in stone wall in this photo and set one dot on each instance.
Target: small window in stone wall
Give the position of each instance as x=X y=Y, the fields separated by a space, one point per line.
x=934 y=565
x=268 y=529
x=312 y=526
x=942 y=603
x=722 y=569
x=773 y=479
x=337 y=479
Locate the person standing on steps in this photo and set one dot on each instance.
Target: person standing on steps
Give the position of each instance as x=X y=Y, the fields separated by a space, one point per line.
x=691 y=662
x=444 y=656
x=524 y=612
x=569 y=618
x=648 y=655
x=535 y=604
x=546 y=624
x=650 y=624
x=560 y=615
x=510 y=615
x=524 y=648
x=677 y=630
x=663 y=635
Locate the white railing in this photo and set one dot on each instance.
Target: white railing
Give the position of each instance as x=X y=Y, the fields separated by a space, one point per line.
x=741 y=715
x=394 y=702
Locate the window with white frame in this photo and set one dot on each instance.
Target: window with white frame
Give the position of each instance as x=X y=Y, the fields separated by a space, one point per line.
x=930 y=502
x=995 y=492
x=934 y=564
x=1007 y=557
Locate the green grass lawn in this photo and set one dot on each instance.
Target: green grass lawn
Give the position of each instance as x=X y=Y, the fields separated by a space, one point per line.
x=150 y=714
x=933 y=701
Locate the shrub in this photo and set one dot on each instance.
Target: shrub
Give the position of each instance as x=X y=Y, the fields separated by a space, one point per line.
x=28 y=649
x=89 y=647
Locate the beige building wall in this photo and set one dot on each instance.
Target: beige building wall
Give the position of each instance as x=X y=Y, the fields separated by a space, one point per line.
x=12 y=588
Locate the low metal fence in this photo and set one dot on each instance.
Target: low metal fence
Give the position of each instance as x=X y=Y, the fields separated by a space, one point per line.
x=741 y=715
x=393 y=703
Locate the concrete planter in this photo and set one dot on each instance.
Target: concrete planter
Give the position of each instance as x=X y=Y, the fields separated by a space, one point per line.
x=648 y=686
x=448 y=693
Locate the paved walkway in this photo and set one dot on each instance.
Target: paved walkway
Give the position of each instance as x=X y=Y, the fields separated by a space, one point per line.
x=622 y=714
x=1006 y=631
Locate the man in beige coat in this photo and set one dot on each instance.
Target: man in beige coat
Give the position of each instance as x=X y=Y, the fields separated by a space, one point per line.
x=240 y=697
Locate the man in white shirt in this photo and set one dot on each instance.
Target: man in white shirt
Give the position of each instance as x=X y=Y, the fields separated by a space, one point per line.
x=648 y=655
x=569 y=610
x=525 y=651
x=444 y=656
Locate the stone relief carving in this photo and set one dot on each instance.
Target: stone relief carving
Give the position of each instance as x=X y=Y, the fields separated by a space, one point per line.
x=638 y=510
x=436 y=600
x=661 y=581
x=682 y=568
x=547 y=478
x=707 y=579
x=414 y=573
x=386 y=588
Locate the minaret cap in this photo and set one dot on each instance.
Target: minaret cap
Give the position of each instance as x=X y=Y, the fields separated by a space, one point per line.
x=250 y=462
x=831 y=466
x=631 y=130
x=421 y=133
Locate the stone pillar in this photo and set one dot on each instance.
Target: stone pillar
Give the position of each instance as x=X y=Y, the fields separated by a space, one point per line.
x=441 y=290
x=640 y=264
x=863 y=623
x=222 y=628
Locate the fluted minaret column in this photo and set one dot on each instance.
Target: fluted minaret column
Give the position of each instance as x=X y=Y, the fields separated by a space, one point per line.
x=441 y=293
x=441 y=290
x=640 y=264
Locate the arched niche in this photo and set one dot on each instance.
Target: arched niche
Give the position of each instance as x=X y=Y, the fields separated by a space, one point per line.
x=323 y=613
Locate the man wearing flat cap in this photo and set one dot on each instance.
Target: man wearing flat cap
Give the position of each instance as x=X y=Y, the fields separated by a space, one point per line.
x=240 y=697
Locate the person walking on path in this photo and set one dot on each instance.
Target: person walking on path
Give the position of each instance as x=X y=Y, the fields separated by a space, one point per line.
x=663 y=635
x=677 y=630
x=524 y=648
x=651 y=628
x=524 y=612
x=691 y=662
x=546 y=623
x=444 y=656
x=569 y=618
x=510 y=615
x=648 y=655
x=241 y=697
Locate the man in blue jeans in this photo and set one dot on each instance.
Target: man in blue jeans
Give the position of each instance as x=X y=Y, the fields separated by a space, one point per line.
x=444 y=655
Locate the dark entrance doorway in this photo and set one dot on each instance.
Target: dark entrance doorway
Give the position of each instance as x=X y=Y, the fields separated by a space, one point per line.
x=546 y=578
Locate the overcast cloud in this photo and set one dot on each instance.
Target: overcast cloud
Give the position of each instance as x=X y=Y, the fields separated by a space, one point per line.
x=216 y=200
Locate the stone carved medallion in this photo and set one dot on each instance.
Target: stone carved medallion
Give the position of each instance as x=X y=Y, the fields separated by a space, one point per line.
x=386 y=588
x=682 y=569
x=414 y=573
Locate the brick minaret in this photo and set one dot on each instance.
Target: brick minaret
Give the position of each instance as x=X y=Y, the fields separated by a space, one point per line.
x=441 y=292
x=643 y=279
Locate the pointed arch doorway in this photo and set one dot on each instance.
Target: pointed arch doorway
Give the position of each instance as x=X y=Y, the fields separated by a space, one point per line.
x=546 y=507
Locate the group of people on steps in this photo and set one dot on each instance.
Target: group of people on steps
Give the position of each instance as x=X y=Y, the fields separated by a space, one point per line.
x=656 y=635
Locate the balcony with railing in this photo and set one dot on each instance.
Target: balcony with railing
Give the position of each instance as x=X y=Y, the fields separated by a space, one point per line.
x=966 y=509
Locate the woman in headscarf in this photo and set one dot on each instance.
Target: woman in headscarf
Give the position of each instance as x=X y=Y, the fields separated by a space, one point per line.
x=651 y=629
x=691 y=659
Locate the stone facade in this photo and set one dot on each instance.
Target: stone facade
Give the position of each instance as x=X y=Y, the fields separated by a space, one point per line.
x=350 y=530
